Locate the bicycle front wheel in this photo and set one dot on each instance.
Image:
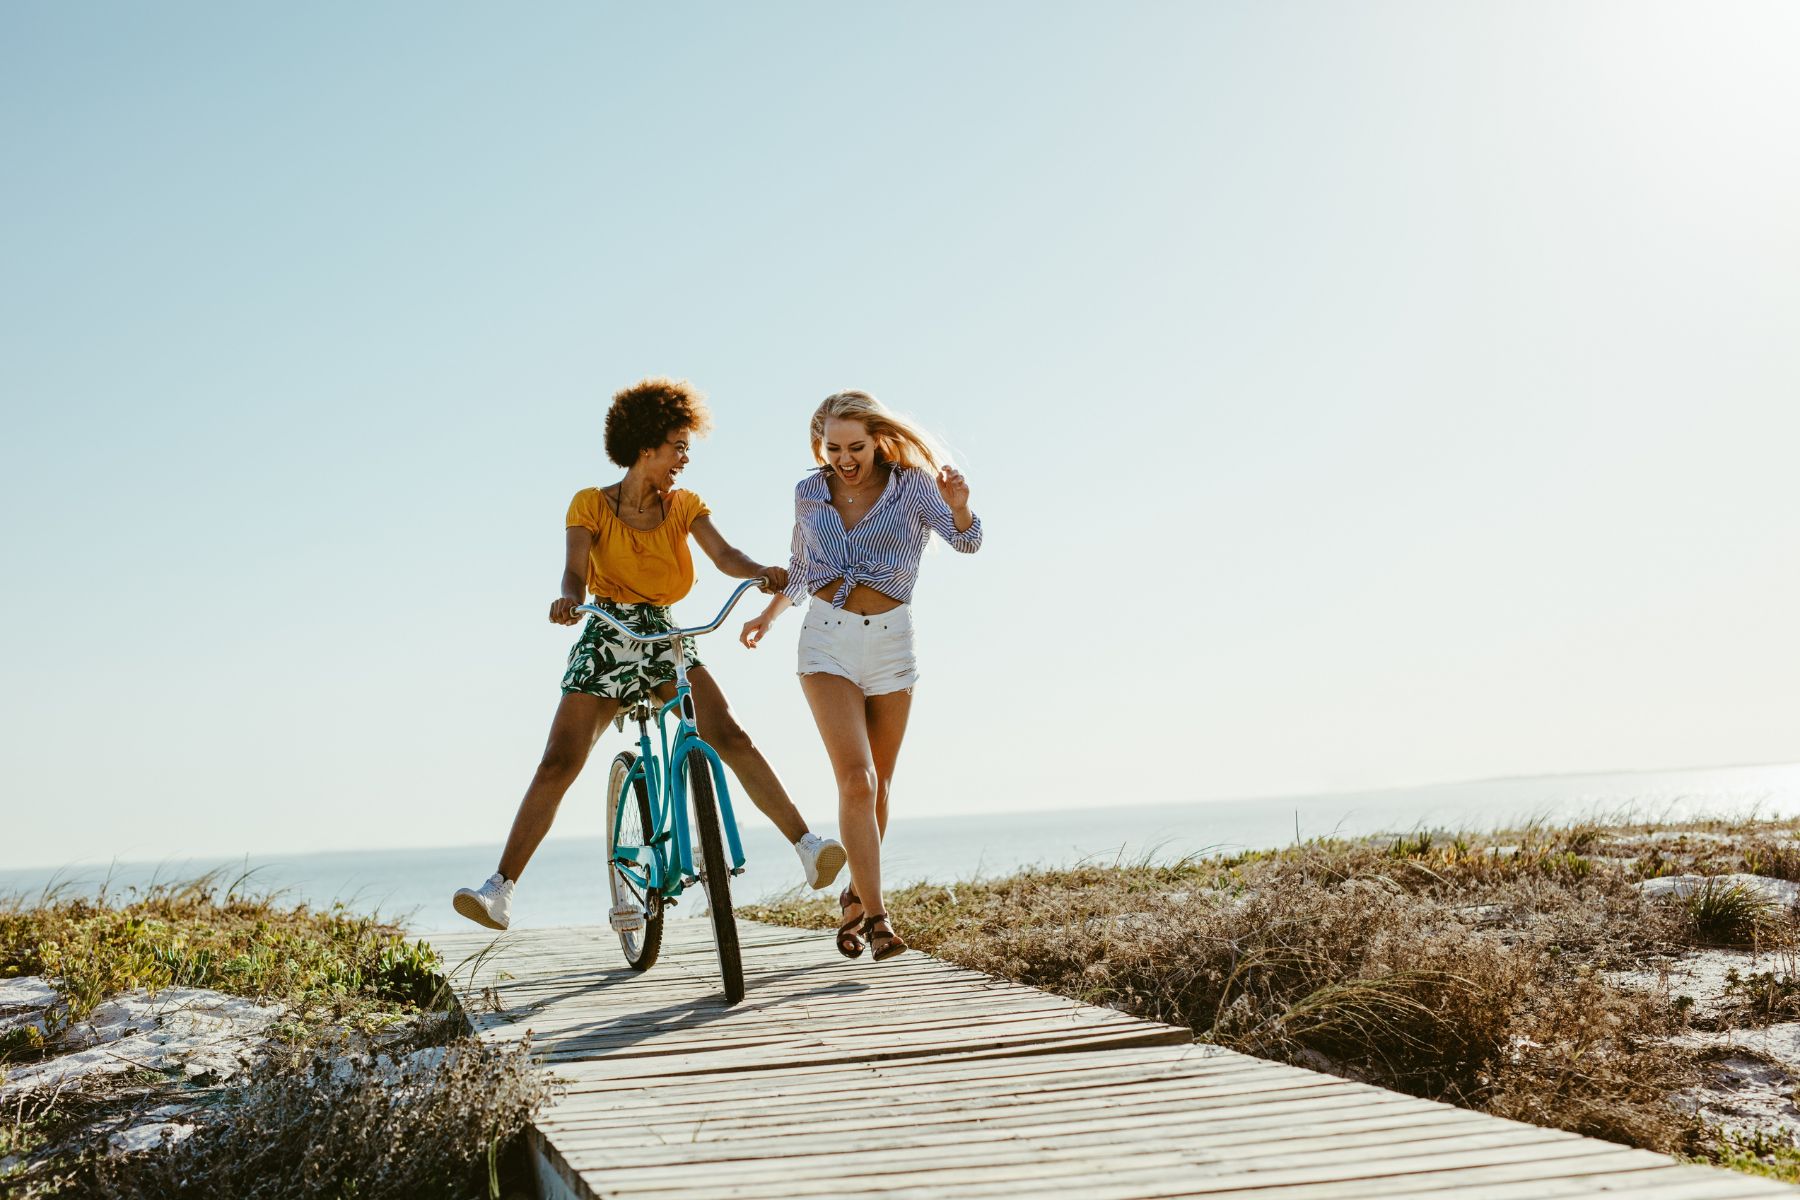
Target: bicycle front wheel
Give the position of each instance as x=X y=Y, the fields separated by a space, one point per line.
x=640 y=944
x=715 y=873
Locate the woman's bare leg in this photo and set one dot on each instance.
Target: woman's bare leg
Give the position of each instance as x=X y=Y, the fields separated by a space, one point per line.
x=838 y=708
x=573 y=732
x=719 y=726
x=886 y=717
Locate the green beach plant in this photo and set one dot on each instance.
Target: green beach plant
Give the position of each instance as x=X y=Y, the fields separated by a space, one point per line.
x=1772 y=858
x=327 y=966
x=316 y=1117
x=1727 y=913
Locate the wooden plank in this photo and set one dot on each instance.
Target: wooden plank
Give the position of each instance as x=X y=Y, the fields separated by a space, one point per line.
x=627 y=1040
x=849 y=1010
x=1271 y=1125
x=1147 y=1117
x=1274 y=1130
x=1024 y=1043
x=1207 y=1102
x=894 y=1085
x=1528 y=1181
x=1141 y=1173
x=933 y=1071
x=1096 y=1142
x=1067 y=1131
x=888 y=1103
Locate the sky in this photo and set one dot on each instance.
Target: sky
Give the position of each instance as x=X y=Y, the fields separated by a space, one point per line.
x=1354 y=395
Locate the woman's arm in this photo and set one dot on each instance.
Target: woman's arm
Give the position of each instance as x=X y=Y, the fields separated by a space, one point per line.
x=730 y=560
x=574 y=578
x=945 y=509
x=758 y=625
x=791 y=595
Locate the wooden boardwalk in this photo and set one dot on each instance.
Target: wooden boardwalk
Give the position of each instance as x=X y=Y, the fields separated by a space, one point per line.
x=917 y=1079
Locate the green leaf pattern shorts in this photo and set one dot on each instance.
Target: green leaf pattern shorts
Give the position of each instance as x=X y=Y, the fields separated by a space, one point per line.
x=604 y=662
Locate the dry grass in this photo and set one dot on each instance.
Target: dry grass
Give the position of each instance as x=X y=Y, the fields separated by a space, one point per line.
x=437 y=1129
x=1463 y=968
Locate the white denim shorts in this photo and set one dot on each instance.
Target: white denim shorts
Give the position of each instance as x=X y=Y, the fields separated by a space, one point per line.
x=875 y=652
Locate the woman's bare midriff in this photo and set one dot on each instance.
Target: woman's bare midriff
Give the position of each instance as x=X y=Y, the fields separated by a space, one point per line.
x=864 y=600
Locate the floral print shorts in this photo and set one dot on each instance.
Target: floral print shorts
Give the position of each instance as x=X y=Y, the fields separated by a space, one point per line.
x=604 y=662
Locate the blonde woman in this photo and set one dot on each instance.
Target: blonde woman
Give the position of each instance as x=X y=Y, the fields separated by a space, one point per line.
x=861 y=522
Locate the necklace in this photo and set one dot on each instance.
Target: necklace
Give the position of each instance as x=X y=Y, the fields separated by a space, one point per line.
x=852 y=497
x=618 y=500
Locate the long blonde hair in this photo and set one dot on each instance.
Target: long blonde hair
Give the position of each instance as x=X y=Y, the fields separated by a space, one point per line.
x=897 y=440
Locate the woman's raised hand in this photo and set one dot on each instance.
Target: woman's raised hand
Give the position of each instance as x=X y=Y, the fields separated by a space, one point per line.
x=562 y=611
x=953 y=488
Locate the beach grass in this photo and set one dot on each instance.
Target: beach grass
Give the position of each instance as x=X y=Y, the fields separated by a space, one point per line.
x=1470 y=968
x=368 y=1085
x=327 y=966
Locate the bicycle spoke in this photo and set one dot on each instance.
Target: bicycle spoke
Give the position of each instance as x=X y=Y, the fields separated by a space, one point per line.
x=631 y=884
x=627 y=829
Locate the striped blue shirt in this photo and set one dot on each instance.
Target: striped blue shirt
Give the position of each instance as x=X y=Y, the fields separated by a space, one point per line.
x=882 y=549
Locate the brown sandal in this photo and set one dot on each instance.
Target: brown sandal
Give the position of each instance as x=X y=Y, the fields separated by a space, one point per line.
x=890 y=943
x=848 y=944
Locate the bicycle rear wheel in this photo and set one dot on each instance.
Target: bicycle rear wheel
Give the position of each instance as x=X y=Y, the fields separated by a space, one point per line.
x=640 y=946
x=715 y=873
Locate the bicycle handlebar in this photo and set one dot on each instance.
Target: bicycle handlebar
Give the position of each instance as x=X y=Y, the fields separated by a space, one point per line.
x=670 y=634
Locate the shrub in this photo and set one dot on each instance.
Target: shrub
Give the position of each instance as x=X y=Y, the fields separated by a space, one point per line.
x=1771 y=858
x=301 y=1131
x=1729 y=914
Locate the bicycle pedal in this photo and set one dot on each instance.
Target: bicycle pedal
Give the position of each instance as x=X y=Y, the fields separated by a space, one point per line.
x=690 y=881
x=626 y=918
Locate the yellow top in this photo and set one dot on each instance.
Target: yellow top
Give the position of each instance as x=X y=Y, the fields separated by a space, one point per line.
x=637 y=566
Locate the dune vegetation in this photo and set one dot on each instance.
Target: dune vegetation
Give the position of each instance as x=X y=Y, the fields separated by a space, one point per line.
x=1623 y=980
x=354 y=1076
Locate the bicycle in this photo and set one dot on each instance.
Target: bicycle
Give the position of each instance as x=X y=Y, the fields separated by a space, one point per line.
x=649 y=849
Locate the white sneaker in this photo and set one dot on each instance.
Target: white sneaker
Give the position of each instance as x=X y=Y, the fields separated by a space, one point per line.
x=490 y=904
x=821 y=859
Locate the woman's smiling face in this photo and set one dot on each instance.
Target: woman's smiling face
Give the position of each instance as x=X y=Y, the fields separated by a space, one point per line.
x=662 y=464
x=849 y=450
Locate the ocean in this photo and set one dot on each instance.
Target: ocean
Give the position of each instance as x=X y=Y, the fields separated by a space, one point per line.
x=565 y=883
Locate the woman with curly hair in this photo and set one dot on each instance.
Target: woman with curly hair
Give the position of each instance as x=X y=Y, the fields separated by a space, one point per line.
x=861 y=522
x=627 y=547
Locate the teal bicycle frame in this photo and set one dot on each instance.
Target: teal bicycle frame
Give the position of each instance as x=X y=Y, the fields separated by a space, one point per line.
x=666 y=865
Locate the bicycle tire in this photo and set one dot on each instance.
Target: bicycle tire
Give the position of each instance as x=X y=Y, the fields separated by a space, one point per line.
x=715 y=874
x=641 y=948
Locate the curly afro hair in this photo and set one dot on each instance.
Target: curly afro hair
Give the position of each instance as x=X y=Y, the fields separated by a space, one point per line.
x=644 y=415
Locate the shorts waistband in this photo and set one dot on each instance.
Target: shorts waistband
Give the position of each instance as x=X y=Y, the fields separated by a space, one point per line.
x=628 y=605
x=903 y=612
